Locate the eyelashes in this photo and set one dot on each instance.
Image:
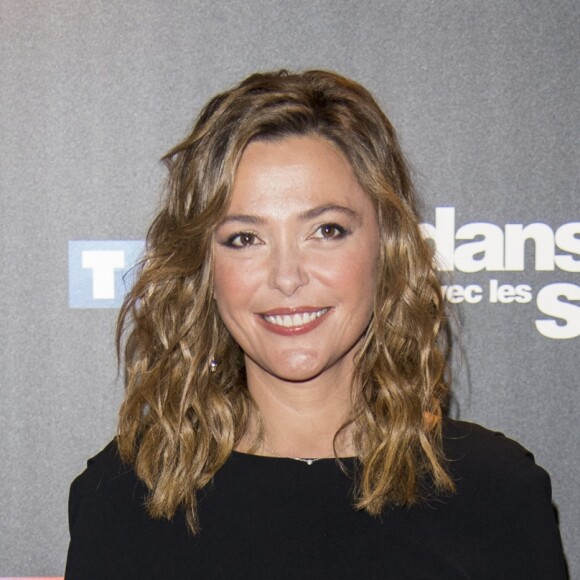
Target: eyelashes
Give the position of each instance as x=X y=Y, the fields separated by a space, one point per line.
x=241 y=240
x=330 y=232
x=325 y=232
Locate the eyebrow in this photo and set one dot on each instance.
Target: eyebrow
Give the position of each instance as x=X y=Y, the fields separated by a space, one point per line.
x=305 y=215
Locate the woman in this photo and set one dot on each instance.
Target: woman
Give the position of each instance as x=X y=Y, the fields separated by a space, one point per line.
x=286 y=376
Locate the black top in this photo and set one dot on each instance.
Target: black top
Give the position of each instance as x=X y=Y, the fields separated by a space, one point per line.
x=277 y=519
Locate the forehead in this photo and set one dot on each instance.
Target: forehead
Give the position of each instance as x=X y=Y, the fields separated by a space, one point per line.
x=294 y=171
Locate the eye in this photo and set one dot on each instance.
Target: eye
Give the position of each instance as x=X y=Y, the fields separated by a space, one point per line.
x=242 y=240
x=330 y=232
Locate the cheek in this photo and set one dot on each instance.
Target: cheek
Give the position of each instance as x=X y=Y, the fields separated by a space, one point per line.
x=221 y=281
x=224 y=286
x=354 y=277
x=234 y=287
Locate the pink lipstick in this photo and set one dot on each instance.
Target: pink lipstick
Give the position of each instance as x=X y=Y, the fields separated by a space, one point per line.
x=293 y=321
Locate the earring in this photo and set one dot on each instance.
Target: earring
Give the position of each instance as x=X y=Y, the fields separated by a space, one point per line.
x=213 y=365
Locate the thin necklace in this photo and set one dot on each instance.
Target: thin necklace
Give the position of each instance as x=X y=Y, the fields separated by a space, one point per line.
x=307 y=460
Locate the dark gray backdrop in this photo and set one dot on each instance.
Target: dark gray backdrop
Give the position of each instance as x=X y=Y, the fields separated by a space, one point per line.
x=485 y=97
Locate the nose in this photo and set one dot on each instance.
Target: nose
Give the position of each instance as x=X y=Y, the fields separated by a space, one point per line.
x=288 y=269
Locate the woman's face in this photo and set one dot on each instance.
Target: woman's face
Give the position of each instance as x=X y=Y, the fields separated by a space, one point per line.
x=296 y=260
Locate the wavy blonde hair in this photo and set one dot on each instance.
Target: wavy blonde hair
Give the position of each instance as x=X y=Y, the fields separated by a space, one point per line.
x=179 y=422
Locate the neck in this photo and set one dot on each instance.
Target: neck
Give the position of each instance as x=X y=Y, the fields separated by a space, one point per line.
x=300 y=419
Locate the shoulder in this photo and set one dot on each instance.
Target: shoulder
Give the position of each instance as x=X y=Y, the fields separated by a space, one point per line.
x=107 y=481
x=107 y=463
x=508 y=498
x=112 y=535
x=461 y=439
x=487 y=461
x=104 y=470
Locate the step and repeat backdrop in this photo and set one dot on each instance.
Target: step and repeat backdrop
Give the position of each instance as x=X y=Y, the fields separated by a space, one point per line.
x=486 y=100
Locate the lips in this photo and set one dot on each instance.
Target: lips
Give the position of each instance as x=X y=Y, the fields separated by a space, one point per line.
x=291 y=321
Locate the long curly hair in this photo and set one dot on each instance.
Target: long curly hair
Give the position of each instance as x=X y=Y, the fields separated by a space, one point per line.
x=179 y=421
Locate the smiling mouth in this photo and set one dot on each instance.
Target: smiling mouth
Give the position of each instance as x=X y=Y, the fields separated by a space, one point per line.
x=296 y=320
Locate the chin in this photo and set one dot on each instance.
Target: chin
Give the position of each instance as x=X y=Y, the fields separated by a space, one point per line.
x=299 y=376
x=296 y=369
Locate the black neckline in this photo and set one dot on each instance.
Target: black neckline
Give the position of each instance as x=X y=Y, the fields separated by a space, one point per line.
x=252 y=456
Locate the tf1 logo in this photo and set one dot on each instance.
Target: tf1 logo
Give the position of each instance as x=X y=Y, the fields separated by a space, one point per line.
x=101 y=272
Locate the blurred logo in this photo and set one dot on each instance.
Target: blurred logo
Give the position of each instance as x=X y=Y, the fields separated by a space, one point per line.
x=481 y=247
x=101 y=272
